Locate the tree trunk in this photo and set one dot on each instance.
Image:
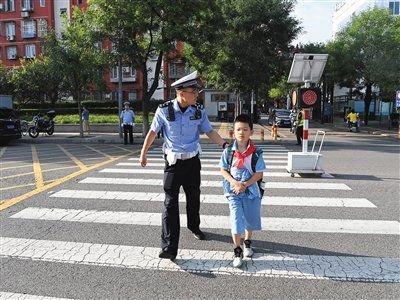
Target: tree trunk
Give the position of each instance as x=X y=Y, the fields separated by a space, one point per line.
x=145 y=101
x=367 y=102
x=119 y=95
x=78 y=99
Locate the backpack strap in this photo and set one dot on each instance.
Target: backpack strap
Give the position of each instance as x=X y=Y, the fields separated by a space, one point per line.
x=229 y=156
x=254 y=158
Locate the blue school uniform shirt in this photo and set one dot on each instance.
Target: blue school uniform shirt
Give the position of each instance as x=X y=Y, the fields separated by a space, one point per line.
x=183 y=134
x=241 y=174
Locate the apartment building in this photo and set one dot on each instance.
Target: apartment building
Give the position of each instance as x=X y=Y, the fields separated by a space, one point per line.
x=345 y=10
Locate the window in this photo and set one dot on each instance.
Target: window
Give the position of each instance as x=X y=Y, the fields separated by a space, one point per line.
x=132 y=96
x=172 y=93
x=27 y=5
x=128 y=73
x=80 y=2
x=42 y=28
x=63 y=11
x=11 y=53
x=42 y=3
x=10 y=5
x=219 y=97
x=10 y=29
x=30 y=51
x=394 y=7
x=28 y=28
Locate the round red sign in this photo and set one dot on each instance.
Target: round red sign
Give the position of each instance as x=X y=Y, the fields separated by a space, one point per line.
x=310 y=97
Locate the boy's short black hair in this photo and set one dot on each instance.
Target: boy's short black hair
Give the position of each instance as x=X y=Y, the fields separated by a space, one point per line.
x=244 y=119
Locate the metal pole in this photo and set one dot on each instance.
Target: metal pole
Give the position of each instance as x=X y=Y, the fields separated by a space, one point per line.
x=306 y=117
x=251 y=105
x=119 y=95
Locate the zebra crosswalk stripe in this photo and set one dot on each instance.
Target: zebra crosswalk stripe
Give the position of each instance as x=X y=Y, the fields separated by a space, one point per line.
x=18 y=296
x=270 y=160
x=344 y=268
x=215 y=199
x=209 y=183
x=211 y=221
x=215 y=166
x=160 y=171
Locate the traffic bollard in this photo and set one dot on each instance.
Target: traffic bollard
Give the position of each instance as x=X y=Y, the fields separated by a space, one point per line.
x=262 y=134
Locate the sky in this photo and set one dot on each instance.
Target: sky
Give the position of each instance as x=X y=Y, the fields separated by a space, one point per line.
x=315 y=17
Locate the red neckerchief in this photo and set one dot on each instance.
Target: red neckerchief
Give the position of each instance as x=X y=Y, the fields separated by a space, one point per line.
x=241 y=156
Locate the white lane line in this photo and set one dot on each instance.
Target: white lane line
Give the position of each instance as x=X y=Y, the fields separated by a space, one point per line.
x=270 y=160
x=209 y=183
x=212 y=221
x=218 y=153
x=281 y=265
x=215 y=199
x=160 y=171
x=215 y=166
x=18 y=296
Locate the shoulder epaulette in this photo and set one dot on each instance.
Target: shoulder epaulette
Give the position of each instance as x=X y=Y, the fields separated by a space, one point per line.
x=198 y=106
x=165 y=104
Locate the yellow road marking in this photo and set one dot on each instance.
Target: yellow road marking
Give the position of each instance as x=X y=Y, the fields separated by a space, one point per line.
x=80 y=164
x=36 y=168
x=30 y=173
x=9 y=202
x=16 y=186
x=98 y=151
x=130 y=151
x=2 y=151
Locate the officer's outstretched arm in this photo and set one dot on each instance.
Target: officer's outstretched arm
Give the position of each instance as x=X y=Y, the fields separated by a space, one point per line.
x=215 y=137
x=150 y=137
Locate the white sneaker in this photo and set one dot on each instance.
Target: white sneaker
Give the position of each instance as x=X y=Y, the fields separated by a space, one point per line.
x=247 y=251
x=238 y=257
x=237 y=262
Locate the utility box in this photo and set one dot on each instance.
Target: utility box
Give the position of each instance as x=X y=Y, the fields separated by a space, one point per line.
x=305 y=163
x=6 y=101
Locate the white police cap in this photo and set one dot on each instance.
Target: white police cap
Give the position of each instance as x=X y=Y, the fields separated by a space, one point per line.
x=190 y=80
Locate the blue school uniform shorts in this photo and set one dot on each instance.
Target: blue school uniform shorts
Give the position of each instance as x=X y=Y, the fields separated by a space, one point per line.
x=245 y=213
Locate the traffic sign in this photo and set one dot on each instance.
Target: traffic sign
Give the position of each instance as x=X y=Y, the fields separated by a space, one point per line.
x=309 y=97
x=398 y=99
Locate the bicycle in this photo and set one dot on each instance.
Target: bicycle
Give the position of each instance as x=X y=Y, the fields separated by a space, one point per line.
x=24 y=127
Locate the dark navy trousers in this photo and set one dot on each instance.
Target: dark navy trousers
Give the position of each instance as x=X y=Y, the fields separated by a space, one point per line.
x=185 y=173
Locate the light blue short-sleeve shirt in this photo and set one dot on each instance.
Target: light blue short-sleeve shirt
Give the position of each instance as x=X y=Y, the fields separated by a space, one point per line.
x=127 y=116
x=241 y=174
x=183 y=134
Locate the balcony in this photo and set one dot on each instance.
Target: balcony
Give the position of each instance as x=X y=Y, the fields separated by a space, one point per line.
x=28 y=35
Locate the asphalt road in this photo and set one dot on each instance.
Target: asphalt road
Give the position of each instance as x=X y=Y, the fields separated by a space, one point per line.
x=97 y=234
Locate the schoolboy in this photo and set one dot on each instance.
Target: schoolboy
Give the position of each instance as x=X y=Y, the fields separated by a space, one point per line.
x=242 y=167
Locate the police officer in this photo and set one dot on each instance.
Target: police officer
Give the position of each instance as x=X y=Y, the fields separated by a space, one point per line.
x=181 y=120
x=127 y=120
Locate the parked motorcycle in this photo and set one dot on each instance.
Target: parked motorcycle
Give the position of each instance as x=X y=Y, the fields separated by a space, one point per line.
x=40 y=124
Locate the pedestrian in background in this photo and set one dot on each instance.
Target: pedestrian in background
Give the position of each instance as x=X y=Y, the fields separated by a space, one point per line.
x=127 y=121
x=299 y=127
x=242 y=166
x=181 y=120
x=85 y=119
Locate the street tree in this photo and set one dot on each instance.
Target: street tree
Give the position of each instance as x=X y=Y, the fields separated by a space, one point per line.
x=244 y=50
x=140 y=30
x=6 y=86
x=79 y=62
x=366 y=53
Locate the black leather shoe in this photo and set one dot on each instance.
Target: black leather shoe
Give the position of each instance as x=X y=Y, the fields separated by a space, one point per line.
x=199 y=235
x=167 y=255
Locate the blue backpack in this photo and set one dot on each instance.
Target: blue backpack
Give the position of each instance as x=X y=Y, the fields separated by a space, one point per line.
x=254 y=158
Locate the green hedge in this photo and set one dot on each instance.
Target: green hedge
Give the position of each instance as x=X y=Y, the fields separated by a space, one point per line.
x=59 y=106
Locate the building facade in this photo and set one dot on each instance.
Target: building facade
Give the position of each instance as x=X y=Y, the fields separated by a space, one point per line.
x=345 y=10
x=24 y=23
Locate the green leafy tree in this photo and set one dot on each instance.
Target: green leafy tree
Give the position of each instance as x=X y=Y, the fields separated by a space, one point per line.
x=141 y=29
x=79 y=62
x=6 y=86
x=243 y=51
x=366 y=53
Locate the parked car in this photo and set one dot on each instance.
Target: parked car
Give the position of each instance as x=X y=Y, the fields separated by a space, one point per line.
x=281 y=118
x=10 y=126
